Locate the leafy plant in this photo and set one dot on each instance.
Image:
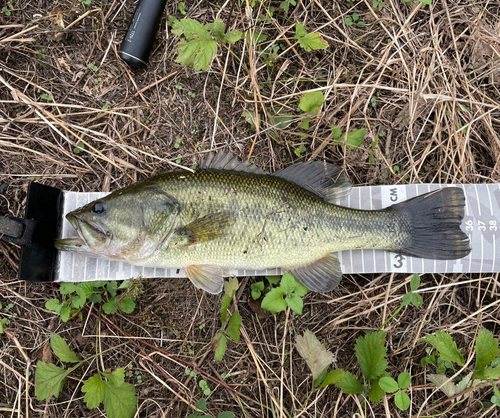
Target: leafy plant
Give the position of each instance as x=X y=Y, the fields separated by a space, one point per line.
x=93 y=67
x=75 y=296
x=201 y=41
x=300 y=150
x=79 y=148
x=46 y=97
x=354 y=139
x=202 y=406
x=293 y=292
x=285 y=5
x=378 y=4
x=118 y=397
x=311 y=41
x=311 y=102
x=182 y=8
x=6 y=11
x=354 y=21
x=4 y=321
x=232 y=328
x=486 y=370
x=257 y=289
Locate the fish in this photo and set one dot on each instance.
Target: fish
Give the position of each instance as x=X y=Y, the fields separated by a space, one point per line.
x=233 y=215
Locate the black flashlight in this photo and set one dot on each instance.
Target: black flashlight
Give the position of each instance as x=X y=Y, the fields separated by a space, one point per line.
x=138 y=41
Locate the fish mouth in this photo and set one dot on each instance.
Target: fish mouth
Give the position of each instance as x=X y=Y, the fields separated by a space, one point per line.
x=72 y=244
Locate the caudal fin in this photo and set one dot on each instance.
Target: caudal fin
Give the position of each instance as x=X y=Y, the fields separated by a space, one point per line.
x=435 y=220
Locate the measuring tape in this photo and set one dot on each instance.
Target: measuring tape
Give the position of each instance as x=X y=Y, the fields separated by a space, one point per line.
x=481 y=223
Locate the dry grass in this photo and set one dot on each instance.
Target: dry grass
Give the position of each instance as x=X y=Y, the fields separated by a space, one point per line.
x=437 y=103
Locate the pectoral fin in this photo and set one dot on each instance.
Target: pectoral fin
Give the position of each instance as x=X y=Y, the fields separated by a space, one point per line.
x=208 y=228
x=322 y=275
x=208 y=278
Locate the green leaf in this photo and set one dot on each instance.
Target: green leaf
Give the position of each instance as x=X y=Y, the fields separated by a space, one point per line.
x=355 y=138
x=388 y=384
x=233 y=36
x=182 y=8
x=376 y=393
x=489 y=373
x=407 y=299
x=67 y=288
x=404 y=380
x=288 y=283
x=486 y=349
x=61 y=350
x=312 y=101
x=198 y=52
x=273 y=279
x=127 y=305
x=220 y=344
x=47 y=97
x=295 y=303
x=428 y=2
x=273 y=301
x=53 y=305
x=231 y=286
x=370 y=351
x=300 y=32
x=233 y=327
x=96 y=298
x=415 y=282
x=225 y=302
x=256 y=294
x=49 y=380
x=77 y=302
x=300 y=289
x=120 y=401
x=112 y=287
x=111 y=306
x=336 y=133
x=117 y=378
x=226 y=414
x=350 y=384
x=304 y=124
x=320 y=378
x=317 y=357
x=94 y=389
x=300 y=150
x=85 y=290
x=333 y=377
x=446 y=347
x=65 y=311
x=283 y=121
x=313 y=41
x=417 y=300
x=402 y=400
x=201 y=404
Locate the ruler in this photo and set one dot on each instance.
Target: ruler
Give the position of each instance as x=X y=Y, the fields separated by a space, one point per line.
x=481 y=223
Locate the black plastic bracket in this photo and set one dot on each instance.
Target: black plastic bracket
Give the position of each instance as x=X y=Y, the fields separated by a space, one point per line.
x=16 y=230
x=38 y=257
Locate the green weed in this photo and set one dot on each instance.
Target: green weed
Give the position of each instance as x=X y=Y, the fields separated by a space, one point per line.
x=118 y=397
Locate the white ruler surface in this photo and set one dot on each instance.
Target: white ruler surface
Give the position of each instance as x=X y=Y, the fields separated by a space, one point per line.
x=481 y=223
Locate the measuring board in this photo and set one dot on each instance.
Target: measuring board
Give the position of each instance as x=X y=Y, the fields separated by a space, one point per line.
x=481 y=223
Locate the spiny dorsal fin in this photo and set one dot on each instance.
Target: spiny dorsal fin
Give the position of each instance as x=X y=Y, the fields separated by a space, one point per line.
x=323 y=179
x=322 y=275
x=229 y=162
x=208 y=228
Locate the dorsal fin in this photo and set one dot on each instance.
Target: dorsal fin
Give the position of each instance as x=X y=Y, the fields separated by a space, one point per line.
x=323 y=179
x=225 y=161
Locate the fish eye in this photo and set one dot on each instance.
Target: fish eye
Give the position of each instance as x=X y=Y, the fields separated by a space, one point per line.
x=99 y=207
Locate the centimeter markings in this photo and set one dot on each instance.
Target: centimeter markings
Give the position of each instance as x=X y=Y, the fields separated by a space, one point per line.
x=481 y=224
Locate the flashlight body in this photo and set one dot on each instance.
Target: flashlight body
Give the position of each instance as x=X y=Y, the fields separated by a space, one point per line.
x=138 y=41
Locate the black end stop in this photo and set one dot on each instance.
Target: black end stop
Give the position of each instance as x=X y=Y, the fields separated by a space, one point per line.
x=38 y=258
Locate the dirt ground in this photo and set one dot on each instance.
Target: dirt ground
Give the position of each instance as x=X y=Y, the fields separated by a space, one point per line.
x=421 y=80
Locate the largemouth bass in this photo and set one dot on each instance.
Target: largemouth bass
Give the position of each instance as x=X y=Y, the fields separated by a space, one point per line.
x=232 y=215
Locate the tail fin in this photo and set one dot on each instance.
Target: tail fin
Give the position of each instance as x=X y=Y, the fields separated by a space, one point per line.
x=435 y=220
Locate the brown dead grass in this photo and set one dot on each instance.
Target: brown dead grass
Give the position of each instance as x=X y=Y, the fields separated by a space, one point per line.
x=437 y=115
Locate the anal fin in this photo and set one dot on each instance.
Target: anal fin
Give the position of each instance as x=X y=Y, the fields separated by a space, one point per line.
x=206 y=277
x=322 y=275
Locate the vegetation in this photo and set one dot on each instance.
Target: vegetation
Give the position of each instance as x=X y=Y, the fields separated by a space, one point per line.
x=392 y=92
